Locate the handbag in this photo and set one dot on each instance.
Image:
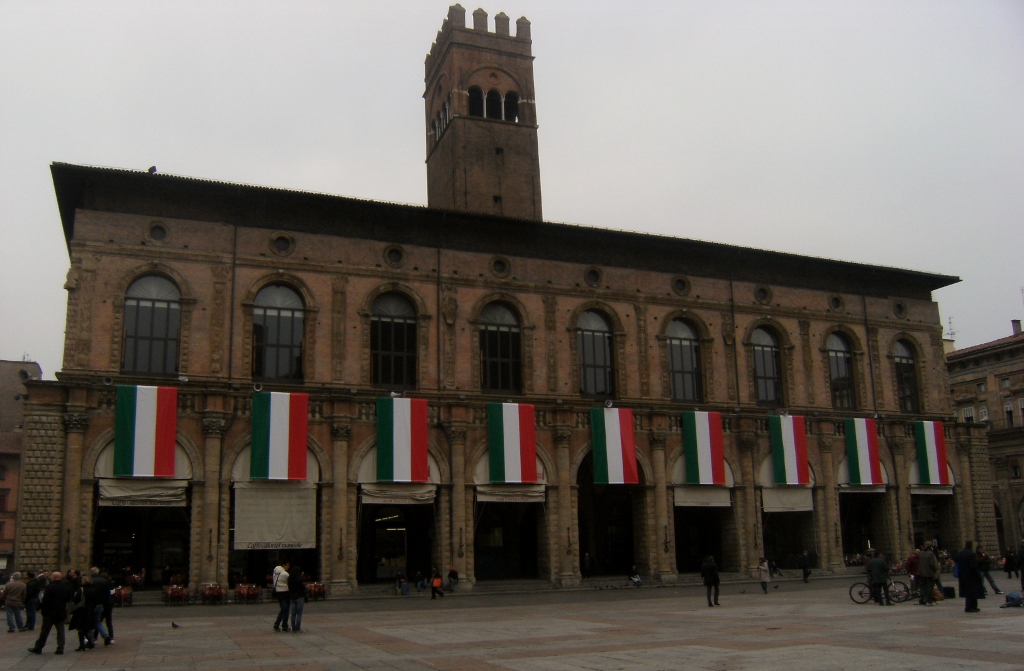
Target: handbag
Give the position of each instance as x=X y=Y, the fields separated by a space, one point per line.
x=436 y=583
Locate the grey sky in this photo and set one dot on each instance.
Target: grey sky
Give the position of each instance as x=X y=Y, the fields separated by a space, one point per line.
x=879 y=132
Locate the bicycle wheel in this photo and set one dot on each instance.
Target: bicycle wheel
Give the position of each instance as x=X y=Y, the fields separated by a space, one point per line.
x=900 y=591
x=860 y=592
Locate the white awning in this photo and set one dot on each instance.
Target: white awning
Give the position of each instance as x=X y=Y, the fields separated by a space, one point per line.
x=940 y=490
x=702 y=496
x=398 y=493
x=510 y=493
x=142 y=492
x=275 y=515
x=786 y=499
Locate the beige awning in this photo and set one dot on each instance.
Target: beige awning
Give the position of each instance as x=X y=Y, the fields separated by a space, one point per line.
x=275 y=515
x=511 y=493
x=398 y=493
x=702 y=496
x=936 y=490
x=786 y=499
x=142 y=492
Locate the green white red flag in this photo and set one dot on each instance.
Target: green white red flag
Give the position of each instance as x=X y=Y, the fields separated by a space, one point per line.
x=703 y=448
x=789 y=449
x=931 y=453
x=145 y=431
x=402 y=440
x=862 y=452
x=280 y=430
x=511 y=443
x=614 y=446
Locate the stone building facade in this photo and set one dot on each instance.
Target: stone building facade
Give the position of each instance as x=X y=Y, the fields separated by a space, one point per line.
x=350 y=300
x=13 y=376
x=986 y=385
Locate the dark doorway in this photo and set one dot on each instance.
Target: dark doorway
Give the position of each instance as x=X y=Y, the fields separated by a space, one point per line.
x=506 y=540
x=862 y=519
x=787 y=535
x=394 y=539
x=934 y=520
x=143 y=546
x=699 y=533
x=606 y=522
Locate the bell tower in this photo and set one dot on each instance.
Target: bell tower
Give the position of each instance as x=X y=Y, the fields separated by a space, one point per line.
x=481 y=118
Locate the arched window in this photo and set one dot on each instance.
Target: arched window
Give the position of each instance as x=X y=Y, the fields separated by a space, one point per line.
x=494 y=110
x=594 y=340
x=840 y=372
x=476 y=101
x=767 y=367
x=278 y=326
x=683 y=361
x=501 y=368
x=152 y=322
x=906 y=376
x=511 y=106
x=393 y=342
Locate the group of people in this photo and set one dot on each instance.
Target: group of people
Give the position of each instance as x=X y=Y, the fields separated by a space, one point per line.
x=83 y=603
x=290 y=591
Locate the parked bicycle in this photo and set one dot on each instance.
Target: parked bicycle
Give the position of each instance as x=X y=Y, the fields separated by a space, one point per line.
x=899 y=591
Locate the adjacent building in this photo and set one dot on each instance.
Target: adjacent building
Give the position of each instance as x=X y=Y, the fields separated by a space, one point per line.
x=220 y=289
x=986 y=384
x=13 y=394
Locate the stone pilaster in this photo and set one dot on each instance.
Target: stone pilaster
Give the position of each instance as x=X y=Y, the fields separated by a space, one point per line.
x=833 y=545
x=461 y=527
x=662 y=542
x=40 y=532
x=567 y=552
x=747 y=513
x=342 y=540
x=209 y=521
x=981 y=484
x=902 y=513
x=75 y=424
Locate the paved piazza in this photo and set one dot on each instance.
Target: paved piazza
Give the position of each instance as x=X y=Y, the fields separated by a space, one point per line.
x=795 y=627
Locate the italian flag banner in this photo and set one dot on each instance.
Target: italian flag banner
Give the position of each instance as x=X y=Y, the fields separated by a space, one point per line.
x=614 y=446
x=703 y=448
x=862 y=452
x=789 y=450
x=280 y=428
x=511 y=443
x=402 y=440
x=931 y=453
x=145 y=431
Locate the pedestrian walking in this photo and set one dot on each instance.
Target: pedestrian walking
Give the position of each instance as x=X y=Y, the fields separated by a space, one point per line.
x=103 y=594
x=83 y=617
x=805 y=561
x=878 y=569
x=107 y=597
x=33 y=588
x=297 y=597
x=54 y=609
x=281 y=594
x=14 y=602
x=985 y=566
x=971 y=586
x=927 y=570
x=709 y=573
x=435 y=584
x=764 y=574
x=453 y=579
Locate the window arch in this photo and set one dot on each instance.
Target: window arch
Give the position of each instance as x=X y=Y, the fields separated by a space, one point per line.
x=767 y=367
x=494 y=107
x=501 y=367
x=393 y=341
x=152 y=326
x=906 y=376
x=512 y=106
x=594 y=341
x=278 y=325
x=840 y=372
x=684 y=361
x=476 y=101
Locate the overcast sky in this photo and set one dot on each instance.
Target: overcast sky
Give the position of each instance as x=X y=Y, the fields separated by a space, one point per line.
x=882 y=132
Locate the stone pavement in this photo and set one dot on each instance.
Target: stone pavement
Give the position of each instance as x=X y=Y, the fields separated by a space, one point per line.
x=794 y=627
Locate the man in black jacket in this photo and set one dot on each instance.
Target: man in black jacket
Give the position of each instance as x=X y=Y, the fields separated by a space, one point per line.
x=54 y=609
x=104 y=600
x=971 y=587
x=35 y=586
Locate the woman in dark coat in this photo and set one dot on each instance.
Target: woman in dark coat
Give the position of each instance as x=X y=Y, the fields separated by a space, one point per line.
x=709 y=572
x=971 y=587
x=83 y=605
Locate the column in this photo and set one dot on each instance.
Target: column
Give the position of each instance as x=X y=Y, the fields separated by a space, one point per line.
x=341 y=581
x=72 y=534
x=830 y=507
x=566 y=552
x=747 y=512
x=903 y=522
x=460 y=526
x=662 y=544
x=213 y=430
